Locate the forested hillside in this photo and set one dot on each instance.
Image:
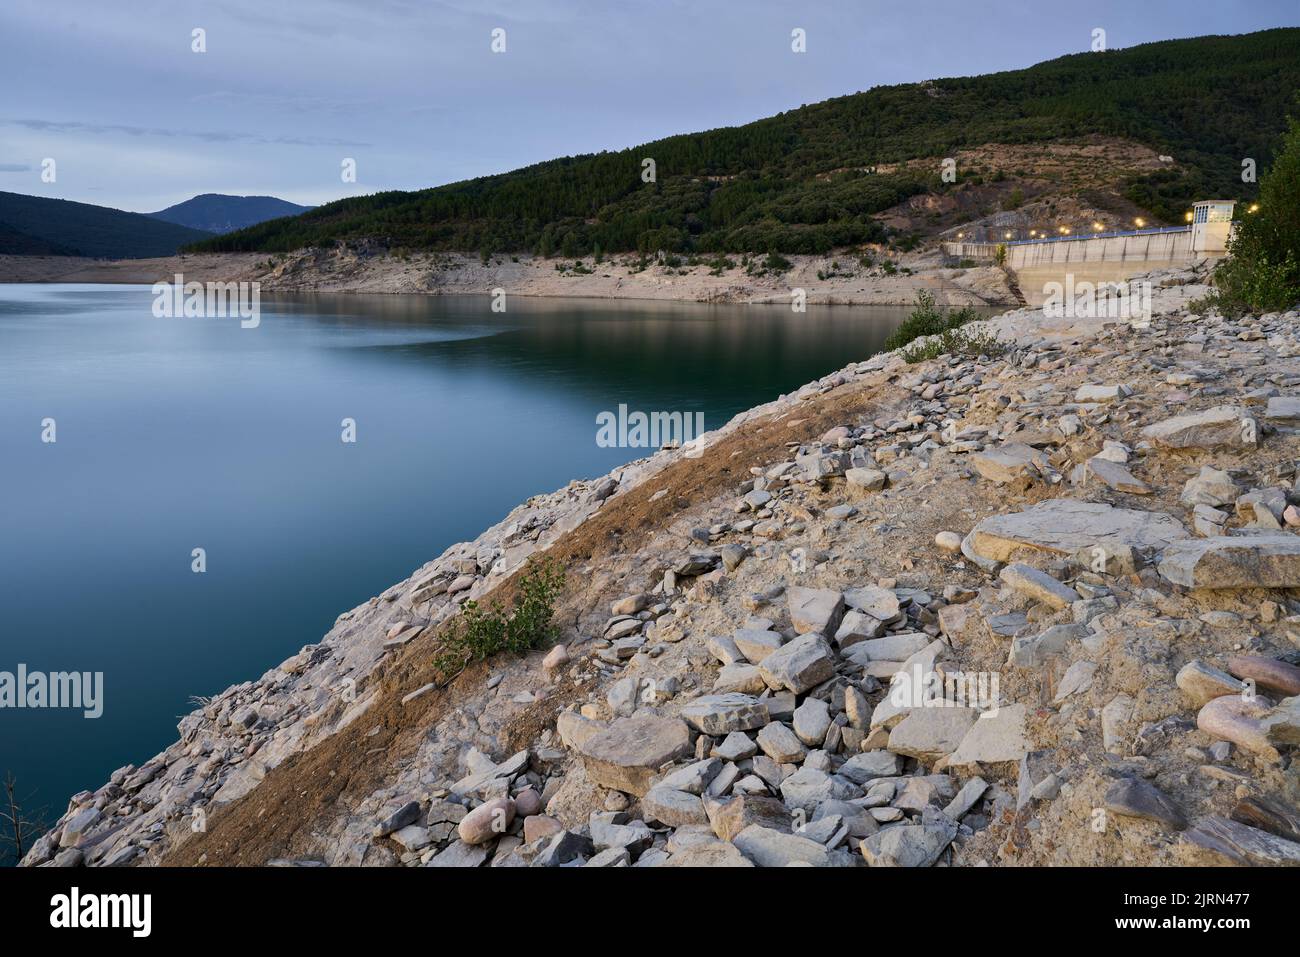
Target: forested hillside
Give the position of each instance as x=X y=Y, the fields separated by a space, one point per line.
x=802 y=181
x=35 y=225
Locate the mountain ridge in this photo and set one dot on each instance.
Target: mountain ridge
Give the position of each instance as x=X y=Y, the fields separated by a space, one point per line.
x=223 y=212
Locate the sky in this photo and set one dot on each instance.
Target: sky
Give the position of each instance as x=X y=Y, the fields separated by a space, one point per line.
x=286 y=91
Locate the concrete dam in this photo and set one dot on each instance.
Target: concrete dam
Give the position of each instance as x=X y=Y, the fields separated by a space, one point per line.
x=1103 y=257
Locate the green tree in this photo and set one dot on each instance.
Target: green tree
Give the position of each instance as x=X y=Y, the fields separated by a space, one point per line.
x=1262 y=271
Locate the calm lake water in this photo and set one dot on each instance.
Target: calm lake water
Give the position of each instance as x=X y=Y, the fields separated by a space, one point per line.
x=174 y=434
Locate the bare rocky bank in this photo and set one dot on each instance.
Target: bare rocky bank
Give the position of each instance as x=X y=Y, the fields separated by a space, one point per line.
x=1090 y=534
x=365 y=268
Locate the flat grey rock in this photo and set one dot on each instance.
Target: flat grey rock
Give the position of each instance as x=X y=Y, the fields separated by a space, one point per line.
x=720 y=714
x=1065 y=526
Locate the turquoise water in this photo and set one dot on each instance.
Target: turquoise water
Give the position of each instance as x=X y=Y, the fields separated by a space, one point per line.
x=176 y=434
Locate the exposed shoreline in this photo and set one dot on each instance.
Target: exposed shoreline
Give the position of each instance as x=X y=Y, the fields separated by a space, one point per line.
x=825 y=280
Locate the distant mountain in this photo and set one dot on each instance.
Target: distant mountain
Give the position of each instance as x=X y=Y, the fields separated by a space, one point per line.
x=816 y=178
x=218 y=213
x=34 y=225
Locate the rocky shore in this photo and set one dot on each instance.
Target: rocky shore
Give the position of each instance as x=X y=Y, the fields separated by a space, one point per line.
x=1085 y=538
x=365 y=268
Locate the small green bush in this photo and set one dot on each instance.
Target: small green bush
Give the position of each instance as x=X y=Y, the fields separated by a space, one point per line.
x=1262 y=271
x=481 y=632
x=955 y=342
x=927 y=319
x=775 y=262
x=719 y=264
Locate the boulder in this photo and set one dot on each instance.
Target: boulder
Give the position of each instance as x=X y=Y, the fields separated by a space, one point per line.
x=800 y=665
x=814 y=609
x=811 y=719
x=767 y=847
x=562 y=849
x=745 y=679
x=780 y=744
x=1038 y=586
x=1090 y=393
x=606 y=834
x=394 y=817
x=1116 y=476
x=1281 y=725
x=1224 y=426
x=487 y=821
x=756 y=645
x=539 y=827
x=716 y=854
x=1243 y=844
x=1133 y=797
x=737 y=746
x=1211 y=487
x=1245 y=561
x=1009 y=463
x=610 y=857
x=898 y=647
x=574 y=729
x=1283 y=409
x=966 y=798
x=555 y=659
x=731 y=817
x=809 y=787
x=856 y=708
x=996 y=737
x=857 y=626
x=867 y=766
x=693 y=778
x=626 y=755
x=910 y=845
x=1269 y=674
x=930 y=733
x=868 y=480
x=1203 y=683
x=880 y=603
x=77 y=827
x=1237 y=719
x=674 y=808
x=460 y=854
x=1032 y=651
x=721 y=714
